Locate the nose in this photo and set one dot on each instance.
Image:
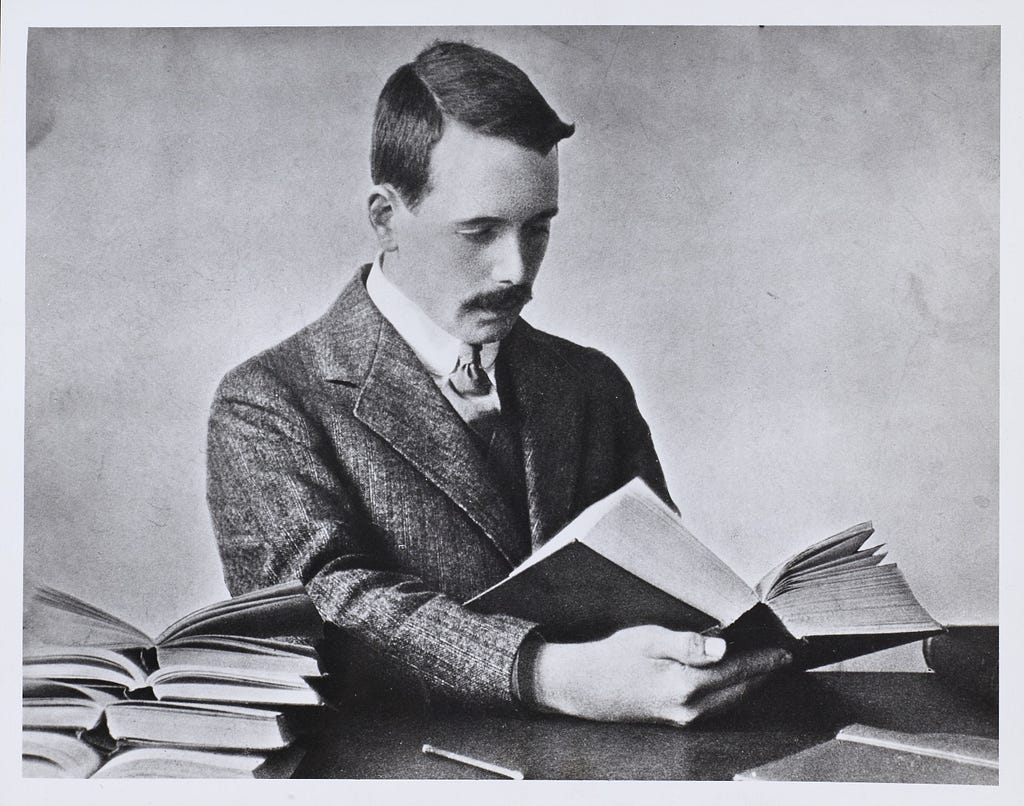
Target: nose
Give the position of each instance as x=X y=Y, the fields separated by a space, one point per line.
x=511 y=264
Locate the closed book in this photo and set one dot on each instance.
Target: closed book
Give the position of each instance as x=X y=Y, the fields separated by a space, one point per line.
x=200 y=724
x=629 y=560
x=864 y=753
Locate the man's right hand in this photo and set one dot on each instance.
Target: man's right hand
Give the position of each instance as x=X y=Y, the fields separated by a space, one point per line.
x=648 y=674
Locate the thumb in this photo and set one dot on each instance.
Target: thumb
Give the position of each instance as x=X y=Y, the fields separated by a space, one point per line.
x=690 y=648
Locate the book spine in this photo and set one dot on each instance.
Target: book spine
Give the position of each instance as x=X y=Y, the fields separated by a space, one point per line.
x=968 y=659
x=760 y=628
x=149 y=660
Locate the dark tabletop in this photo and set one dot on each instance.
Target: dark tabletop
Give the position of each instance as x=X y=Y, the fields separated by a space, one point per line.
x=791 y=713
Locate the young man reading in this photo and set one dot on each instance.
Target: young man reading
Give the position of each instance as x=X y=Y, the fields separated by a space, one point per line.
x=412 y=446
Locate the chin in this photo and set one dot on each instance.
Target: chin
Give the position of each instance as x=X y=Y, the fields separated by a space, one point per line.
x=488 y=327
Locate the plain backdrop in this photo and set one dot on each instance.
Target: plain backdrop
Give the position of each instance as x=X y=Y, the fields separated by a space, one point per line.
x=786 y=237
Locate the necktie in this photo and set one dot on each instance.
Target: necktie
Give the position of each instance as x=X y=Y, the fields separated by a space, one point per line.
x=468 y=377
x=471 y=393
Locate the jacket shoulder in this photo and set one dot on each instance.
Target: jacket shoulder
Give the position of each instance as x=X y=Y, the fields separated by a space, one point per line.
x=335 y=345
x=589 y=363
x=270 y=369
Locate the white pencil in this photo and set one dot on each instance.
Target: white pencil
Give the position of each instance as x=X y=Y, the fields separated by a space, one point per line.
x=515 y=775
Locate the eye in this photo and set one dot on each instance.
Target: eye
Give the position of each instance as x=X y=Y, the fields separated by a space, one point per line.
x=479 y=234
x=540 y=229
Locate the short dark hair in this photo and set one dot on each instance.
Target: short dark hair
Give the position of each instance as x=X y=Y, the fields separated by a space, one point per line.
x=454 y=80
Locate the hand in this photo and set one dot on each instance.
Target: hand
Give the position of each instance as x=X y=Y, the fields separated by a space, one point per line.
x=648 y=674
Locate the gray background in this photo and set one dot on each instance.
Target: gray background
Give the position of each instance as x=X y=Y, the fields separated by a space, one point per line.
x=787 y=237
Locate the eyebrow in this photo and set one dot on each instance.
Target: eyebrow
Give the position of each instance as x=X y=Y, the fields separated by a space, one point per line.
x=484 y=220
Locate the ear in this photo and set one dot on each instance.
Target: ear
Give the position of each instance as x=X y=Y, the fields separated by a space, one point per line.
x=383 y=203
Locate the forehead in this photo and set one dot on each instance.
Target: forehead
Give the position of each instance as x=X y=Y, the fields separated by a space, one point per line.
x=477 y=175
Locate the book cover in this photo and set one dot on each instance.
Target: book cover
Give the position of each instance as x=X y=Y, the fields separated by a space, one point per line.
x=864 y=753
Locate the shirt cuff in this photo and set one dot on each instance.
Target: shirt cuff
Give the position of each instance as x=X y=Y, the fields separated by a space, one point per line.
x=523 y=689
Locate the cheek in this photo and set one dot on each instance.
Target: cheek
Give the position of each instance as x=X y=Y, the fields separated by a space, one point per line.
x=467 y=263
x=533 y=251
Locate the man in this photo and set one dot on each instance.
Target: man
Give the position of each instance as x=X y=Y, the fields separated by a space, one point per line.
x=412 y=446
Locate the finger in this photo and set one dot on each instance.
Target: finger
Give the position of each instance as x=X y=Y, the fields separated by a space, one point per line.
x=734 y=669
x=724 y=699
x=747 y=664
x=688 y=648
x=713 y=702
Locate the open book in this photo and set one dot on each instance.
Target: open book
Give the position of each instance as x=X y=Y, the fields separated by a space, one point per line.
x=63 y=705
x=255 y=648
x=628 y=560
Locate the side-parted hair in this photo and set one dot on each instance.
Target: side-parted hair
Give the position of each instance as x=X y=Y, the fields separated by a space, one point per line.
x=461 y=82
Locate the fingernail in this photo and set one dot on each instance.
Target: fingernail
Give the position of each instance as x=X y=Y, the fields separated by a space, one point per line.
x=714 y=648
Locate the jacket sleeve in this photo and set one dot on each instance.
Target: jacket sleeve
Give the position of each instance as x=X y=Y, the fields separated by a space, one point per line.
x=281 y=510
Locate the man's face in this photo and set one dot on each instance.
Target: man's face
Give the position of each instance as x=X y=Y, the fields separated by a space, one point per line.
x=469 y=253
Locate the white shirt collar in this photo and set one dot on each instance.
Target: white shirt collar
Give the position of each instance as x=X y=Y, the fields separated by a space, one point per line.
x=436 y=349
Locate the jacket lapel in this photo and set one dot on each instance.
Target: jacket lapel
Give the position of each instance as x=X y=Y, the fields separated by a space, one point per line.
x=400 y=402
x=550 y=404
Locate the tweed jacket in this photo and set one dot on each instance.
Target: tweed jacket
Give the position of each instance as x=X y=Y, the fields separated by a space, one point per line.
x=334 y=459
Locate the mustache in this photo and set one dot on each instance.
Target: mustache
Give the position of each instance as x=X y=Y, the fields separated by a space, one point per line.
x=502 y=298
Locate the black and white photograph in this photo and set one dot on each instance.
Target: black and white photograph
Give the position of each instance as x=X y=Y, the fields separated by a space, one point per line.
x=585 y=400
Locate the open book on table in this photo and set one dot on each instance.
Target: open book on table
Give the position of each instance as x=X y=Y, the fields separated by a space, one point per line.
x=628 y=560
x=255 y=648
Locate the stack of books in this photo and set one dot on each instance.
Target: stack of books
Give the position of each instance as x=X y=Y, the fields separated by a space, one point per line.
x=222 y=692
x=62 y=736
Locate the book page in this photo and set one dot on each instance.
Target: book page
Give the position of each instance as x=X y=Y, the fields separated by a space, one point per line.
x=248 y=645
x=642 y=535
x=216 y=708
x=282 y=609
x=637 y=531
x=839 y=545
x=229 y=688
x=53 y=618
x=118 y=667
x=859 y=601
x=44 y=690
x=864 y=558
x=73 y=758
